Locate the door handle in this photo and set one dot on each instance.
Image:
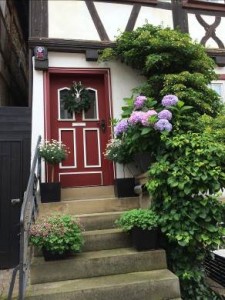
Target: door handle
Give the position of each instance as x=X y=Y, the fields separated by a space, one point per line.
x=15 y=201
x=102 y=125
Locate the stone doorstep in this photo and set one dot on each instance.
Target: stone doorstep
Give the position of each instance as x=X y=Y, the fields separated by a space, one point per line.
x=148 y=285
x=89 y=206
x=94 y=192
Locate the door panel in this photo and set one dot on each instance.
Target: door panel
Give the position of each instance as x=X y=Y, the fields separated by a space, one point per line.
x=86 y=134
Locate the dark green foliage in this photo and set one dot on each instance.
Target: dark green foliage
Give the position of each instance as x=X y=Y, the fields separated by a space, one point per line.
x=188 y=172
x=142 y=218
x=189 y=166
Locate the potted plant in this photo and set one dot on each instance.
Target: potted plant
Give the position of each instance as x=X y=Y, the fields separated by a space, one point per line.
x=143 y=226
x=53 y=152
x=118 y=152
x=58 y=236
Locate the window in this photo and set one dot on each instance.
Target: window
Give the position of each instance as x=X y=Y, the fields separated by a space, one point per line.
x=62 y=112
x=219 y=87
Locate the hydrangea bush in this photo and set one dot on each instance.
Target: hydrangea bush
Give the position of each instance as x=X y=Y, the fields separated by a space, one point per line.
x=143 y=121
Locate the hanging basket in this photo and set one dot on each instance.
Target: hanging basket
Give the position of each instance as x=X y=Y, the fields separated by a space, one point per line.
x=77 y=99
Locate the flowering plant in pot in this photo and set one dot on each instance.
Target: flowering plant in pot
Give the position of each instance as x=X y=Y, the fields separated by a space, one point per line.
x=53 y=152
x=143 y=226
x=137 y=134
x=57 y=236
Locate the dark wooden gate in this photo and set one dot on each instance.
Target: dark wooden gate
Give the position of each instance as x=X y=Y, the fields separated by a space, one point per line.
x=15 y=144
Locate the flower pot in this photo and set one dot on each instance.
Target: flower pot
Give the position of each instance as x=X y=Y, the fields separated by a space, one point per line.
x=50 y=192
x=49 y=255
x=124 y=187
x=144 y=239
x=143 y=161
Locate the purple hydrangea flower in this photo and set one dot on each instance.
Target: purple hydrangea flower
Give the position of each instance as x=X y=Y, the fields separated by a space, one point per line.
x=139 y=102
x=121 y=127
x=163 y=124
x=165 y=114
x=169 y=100
x=136 y=117
x=145 y=119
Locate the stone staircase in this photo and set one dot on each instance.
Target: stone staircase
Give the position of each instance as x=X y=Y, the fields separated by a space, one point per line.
x=108 y=268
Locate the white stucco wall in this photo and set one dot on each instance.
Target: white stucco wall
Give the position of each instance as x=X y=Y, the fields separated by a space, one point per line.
x=123 y=80
x=69 y=19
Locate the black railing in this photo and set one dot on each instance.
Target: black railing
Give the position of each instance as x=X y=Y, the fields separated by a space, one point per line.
x=28 y=215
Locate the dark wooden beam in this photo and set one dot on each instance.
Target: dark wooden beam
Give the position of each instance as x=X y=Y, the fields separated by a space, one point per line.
x=203 y=5
x=133 y=17
x=62 y=45
x=38 y=18
x=97 y=21
x=180 y=19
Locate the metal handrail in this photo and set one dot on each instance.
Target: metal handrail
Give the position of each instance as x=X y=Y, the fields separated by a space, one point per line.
x=28 y=215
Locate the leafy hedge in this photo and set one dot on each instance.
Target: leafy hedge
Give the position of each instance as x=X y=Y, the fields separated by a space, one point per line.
x=189 y=166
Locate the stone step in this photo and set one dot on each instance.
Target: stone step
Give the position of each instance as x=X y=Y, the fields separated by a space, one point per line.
x=89 y=206
x=98 y=221
x=147 y=285
x=97 y=263
x=95 y=192
x=101 y=240
x=105 y=239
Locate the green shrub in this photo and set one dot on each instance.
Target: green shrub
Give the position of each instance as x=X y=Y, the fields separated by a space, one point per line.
x=57 y=233
x=189 y=166
x=142 y=218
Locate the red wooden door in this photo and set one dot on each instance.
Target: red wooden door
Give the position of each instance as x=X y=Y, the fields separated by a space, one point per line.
x=84 y=133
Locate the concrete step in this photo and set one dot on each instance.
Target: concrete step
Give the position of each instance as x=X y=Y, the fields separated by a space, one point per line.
x=95 y=192
x=98 y=221
x=89 y=206
x=97 y=263
x=105 y=239
x=148 y=285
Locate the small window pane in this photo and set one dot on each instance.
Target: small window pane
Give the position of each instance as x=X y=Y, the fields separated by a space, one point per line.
x=91 y=113
x=217 y=87
x=64 y=114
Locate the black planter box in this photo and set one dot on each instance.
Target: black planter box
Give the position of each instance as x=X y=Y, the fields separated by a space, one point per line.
x=48 y=255
x=50 y=192
x=144 y=239
x=124 y=187
x=215 y=267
